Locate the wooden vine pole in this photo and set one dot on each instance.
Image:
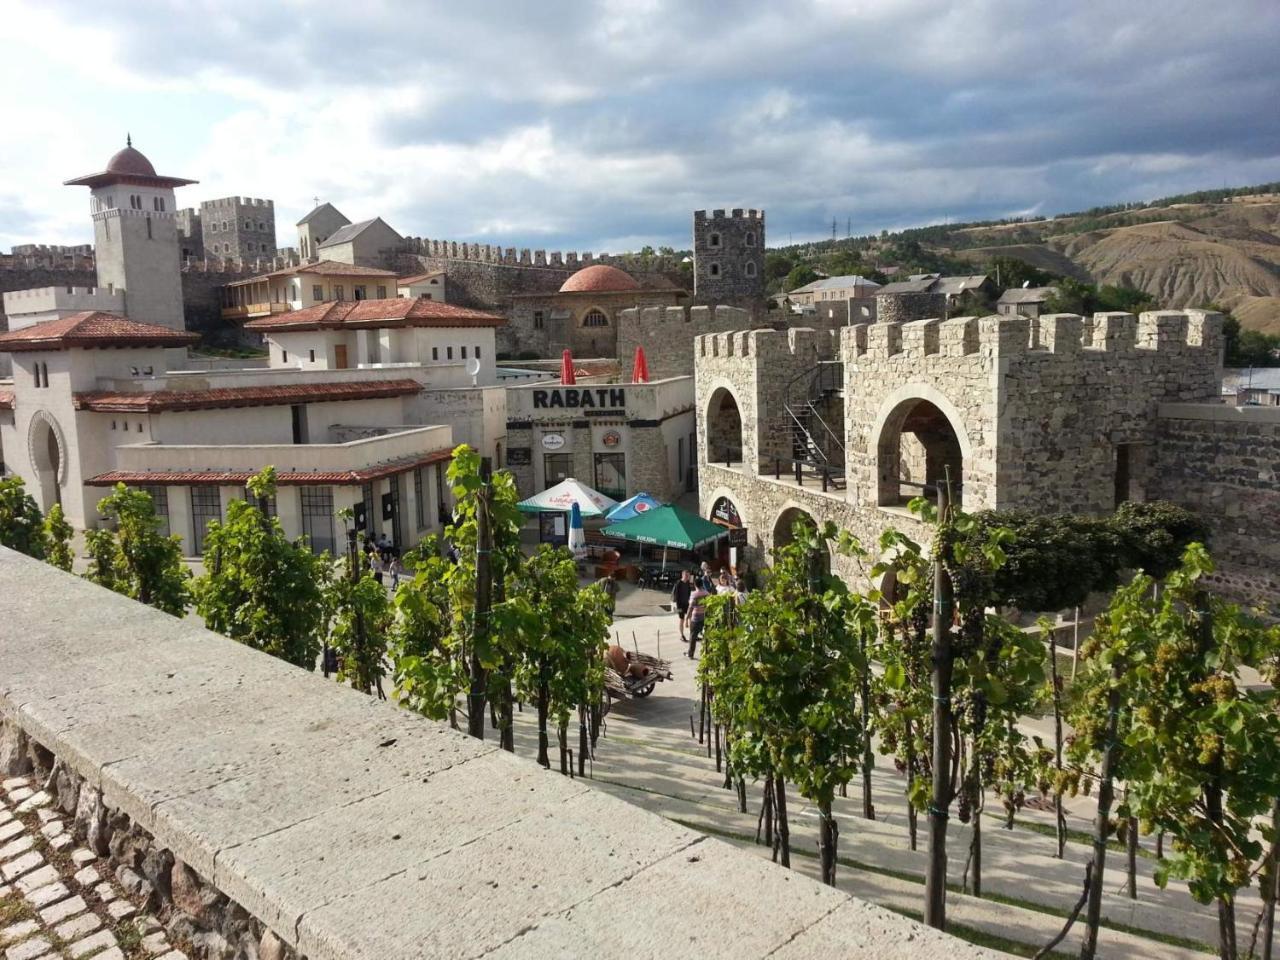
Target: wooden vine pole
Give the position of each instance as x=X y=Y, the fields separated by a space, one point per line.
x=483 y=606
x=935 y=910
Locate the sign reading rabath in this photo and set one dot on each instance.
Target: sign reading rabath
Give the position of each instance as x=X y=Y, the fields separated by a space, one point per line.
x=580 y=398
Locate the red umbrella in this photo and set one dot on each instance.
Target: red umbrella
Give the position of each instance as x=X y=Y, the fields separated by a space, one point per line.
x=639 y=367
x=566 y=369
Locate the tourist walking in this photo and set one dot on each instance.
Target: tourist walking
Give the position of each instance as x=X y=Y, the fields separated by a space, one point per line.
x=680 y=594
x=376 y=567
x=610 y=585
x=696 y=618
x=396 y=571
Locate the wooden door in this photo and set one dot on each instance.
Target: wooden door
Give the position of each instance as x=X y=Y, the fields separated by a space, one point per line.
x=340 y=356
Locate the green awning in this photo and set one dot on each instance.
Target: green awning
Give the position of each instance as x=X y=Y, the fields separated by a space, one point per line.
x=667 y=526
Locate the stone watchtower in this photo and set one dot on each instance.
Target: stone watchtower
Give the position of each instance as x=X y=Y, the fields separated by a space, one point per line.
x=728 y=255
x=135 y=236
x=239 y=228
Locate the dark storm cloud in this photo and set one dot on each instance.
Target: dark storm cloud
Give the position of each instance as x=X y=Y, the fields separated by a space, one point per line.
x=890 y=112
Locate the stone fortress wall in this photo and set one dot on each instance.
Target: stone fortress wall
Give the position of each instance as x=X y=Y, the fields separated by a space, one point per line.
x=1044 y=412
x=668 y=334
x=263 y=812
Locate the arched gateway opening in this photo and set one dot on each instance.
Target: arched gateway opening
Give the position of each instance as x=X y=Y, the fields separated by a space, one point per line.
x=917 y=449
x=47 y=459
x=784 y=530
x=724 y=429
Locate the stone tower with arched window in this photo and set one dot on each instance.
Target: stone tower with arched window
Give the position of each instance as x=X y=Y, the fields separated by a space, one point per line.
x=135 y=236
x=728 y=255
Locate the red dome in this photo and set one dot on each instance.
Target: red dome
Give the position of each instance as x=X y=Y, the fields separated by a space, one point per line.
x=131 y=163
x=599 y=278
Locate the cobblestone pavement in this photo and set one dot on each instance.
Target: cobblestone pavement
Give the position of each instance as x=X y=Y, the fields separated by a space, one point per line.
x=58 y=899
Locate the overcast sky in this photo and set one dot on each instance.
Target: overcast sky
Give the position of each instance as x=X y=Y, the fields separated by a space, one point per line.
x=603 y=125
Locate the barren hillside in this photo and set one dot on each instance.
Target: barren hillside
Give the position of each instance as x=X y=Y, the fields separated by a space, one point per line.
x=1183 y=255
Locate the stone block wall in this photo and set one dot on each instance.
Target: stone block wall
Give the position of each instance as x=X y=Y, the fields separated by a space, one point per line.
x=728 y=255
x=668 y=334
x=905 y=307
x=272 y=813
x=1223 y=463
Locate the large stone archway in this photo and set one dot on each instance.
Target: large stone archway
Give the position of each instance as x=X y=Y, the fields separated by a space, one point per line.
x=784 y=528
x=725 y=439
x=47 y=449
x=918 y=440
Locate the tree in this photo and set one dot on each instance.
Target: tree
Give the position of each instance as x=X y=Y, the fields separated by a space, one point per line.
x=21 y=524
x=777 y=266
x=58 y=534
x=260 y=588
x=485 y=505
x=799 y=276
x=562 y=632
x=802 y=646
x=427 y=671
x=1205 y=749
x=362 y=617
x=135 y=558
x=1009 y=272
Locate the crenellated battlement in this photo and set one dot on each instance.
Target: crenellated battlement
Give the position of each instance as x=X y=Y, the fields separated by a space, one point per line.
x=700 y=216
x=229 y=203
x=559 y=260
x=1194 y=335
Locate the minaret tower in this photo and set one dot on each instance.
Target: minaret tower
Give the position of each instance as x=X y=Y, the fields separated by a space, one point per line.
x=135 y=236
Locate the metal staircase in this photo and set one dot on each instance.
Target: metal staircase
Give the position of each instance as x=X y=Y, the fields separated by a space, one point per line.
x=815 y=446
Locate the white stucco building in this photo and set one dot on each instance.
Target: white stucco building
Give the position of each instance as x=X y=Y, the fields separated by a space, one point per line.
x=360 y=406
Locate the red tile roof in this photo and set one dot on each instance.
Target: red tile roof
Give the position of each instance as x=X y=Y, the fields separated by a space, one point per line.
x=223 y=397
x=238 y=478
x=6 y=399
x=93 y=329
x=599 y=278
x=321 y=268
x=400 y=312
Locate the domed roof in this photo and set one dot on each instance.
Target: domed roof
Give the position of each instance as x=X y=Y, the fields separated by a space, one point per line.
x=131 y=163
x=599 y=278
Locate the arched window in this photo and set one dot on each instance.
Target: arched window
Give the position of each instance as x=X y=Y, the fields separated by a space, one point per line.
x=918 y=448
x=725 y=441
x=595 y=318
x=751 y=269
x=750 y=239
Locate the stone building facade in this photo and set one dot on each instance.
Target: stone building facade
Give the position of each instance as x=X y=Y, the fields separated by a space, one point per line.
x=239 y=228
x=1054 y=414
x=190 y=234
x=619 y=438
x=728 y=255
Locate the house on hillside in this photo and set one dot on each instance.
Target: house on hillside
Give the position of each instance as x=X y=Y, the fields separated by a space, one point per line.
x=1024 y=301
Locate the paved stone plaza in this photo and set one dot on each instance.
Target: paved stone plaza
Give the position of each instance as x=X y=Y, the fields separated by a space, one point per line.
x=58 y=899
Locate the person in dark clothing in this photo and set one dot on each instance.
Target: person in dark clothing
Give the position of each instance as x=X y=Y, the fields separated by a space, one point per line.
x=680 y=594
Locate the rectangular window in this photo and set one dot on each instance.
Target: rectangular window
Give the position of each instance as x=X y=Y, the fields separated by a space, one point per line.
x=464 y=353
x=284 y=356
x=317 y=518
x=477 y=353
x=338 y=293
x=611 y=475
x=417 y=499
x=366 y=497
x=299 y=416
x=206 y=506
x=313 y=356
x=435 y=353
x=556 y=467
x=359 y=293
x=317 y=292
x=160 y=504
x=448 y=352
x=382 y=293
x=538 y=318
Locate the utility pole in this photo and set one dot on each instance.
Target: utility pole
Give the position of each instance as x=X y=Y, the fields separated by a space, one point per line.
x=935 y=889
x=480 y=619
x=833 y=229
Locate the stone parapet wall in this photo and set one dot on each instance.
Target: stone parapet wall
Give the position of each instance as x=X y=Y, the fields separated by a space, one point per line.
x=273 y=813
x=668 y=334
x=1223 y=463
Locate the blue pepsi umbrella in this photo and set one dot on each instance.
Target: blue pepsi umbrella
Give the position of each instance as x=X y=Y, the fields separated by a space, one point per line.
x=633 y=507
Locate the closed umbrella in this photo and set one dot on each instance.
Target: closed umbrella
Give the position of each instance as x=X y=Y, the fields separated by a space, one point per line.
x=566 y=369
x=640 y=366
x=577 y=535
